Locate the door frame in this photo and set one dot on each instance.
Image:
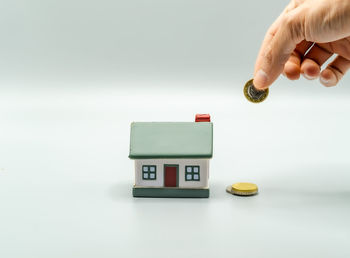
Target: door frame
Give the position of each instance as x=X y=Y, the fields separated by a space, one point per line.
x=177 y=173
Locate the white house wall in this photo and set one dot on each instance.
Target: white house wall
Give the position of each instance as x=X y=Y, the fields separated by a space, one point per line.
x=159 y=163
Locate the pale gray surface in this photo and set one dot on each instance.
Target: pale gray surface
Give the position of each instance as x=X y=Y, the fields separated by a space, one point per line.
x=65 y=179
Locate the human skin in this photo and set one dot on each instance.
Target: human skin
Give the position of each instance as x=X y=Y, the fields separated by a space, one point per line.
x=302 y=39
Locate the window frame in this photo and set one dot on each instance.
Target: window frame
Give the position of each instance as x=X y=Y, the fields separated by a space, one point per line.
x=149 y=172
x=192 y=173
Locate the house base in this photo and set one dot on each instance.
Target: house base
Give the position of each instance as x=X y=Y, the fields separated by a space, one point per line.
x=170 y=192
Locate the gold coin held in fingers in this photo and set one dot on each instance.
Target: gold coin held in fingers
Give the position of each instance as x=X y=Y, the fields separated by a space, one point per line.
x=253 y=94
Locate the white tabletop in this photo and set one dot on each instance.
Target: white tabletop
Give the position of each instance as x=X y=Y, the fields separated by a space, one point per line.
x=65 y=176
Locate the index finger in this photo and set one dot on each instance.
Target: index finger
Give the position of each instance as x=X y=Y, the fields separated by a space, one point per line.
x=270 y=34
x=279 y=43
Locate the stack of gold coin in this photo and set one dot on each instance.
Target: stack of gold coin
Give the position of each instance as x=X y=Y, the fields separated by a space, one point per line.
x=253 y=94
x=243 y=189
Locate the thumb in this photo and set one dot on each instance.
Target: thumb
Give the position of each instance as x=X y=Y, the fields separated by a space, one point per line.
x=275 y=53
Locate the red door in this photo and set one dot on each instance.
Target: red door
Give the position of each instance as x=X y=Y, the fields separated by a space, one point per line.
x=170 y=176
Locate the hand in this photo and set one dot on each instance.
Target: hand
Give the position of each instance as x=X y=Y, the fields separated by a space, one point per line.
x=320 y=26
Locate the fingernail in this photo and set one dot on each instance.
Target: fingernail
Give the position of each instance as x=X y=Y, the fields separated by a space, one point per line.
x=309 y=77
x=260 y=79
x=328 y=83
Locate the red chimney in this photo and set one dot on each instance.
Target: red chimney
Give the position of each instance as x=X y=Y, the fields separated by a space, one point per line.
x=202 y=118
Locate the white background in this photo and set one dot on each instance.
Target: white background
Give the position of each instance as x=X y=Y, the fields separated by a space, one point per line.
x=74 y=75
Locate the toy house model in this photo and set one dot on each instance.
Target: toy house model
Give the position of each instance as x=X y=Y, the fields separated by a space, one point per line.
x=172 y=158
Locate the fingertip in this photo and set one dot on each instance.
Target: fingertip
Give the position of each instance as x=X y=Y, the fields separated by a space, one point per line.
x=328 y=78
x=310 y=69
x=309 y=77
x=261 y=80
x=291 y=71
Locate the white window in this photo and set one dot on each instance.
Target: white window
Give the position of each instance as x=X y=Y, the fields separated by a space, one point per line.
x=149 y=172
x=192 y=173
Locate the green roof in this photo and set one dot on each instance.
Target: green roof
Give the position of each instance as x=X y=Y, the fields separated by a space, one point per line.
x=149 y=140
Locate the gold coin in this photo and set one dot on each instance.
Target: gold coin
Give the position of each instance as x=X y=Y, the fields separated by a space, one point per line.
x=243 y=189
x=253 y=94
